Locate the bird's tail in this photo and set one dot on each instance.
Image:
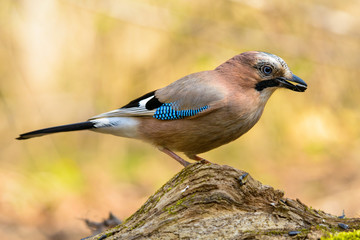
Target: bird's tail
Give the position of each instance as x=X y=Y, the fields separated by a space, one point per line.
x=63 y=128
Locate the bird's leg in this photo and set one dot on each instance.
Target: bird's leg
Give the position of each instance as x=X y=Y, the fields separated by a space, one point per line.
x=197 y=158
x=174 y=156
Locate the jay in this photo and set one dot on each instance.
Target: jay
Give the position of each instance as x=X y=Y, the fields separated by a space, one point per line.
x=198 y=112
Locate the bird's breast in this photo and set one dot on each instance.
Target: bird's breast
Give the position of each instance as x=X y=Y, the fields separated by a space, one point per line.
x=200 y=134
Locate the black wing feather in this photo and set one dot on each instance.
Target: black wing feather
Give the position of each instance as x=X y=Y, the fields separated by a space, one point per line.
x=135 y=102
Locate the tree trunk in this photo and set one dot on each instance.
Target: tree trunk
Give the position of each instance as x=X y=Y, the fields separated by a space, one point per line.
x=210 y=201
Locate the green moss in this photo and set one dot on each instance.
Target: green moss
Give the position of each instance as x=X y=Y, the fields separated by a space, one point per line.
x=327 y=229
x=179 y=204
x=155 y=198
x=275 y=232
x=139 y=224
x=343 y=236
x=104 y=236
x=181 y=176
x=171 y=209
x=144 y=208
x=303 y=232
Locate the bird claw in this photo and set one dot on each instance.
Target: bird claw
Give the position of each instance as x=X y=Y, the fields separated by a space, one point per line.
x=204 y=161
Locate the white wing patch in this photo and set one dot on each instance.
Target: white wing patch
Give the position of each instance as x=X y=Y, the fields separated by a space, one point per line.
x=143 y=102
x=139 y=111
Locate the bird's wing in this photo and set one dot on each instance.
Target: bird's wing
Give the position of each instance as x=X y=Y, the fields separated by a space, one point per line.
x=187 y=97
x=137 y=108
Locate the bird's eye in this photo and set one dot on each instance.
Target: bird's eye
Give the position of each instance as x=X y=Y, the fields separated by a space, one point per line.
x=267 y=70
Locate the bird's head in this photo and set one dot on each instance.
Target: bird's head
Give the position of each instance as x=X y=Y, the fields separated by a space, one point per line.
x=262 y=71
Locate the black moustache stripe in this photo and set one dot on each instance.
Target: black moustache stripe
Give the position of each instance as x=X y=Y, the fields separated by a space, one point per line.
x=266 y=83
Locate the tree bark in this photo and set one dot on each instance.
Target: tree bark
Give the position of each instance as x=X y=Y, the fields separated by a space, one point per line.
x=210 y=201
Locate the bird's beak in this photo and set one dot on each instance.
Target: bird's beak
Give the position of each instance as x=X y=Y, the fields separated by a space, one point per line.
x=288 y=83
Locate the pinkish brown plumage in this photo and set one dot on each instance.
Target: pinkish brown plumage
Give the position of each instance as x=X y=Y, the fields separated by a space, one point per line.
x=198 y=112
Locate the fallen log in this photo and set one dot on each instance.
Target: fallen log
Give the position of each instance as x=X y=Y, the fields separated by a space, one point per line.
x=210 y=201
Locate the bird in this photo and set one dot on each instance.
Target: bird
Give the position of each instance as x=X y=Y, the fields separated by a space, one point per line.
x=198 y=112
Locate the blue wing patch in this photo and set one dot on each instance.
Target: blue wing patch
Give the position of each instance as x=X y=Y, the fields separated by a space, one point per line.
x=167 y=112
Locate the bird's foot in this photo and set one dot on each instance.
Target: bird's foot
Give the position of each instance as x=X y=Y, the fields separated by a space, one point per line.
x=199 y=159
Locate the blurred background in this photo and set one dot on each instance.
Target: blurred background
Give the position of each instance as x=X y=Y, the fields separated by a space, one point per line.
x=62 y=61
